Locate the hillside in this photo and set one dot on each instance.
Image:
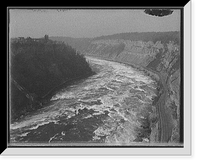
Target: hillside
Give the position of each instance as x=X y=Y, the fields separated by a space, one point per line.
x=76 y=43
x=157 y=52
x=164 y=37
x=37 y=67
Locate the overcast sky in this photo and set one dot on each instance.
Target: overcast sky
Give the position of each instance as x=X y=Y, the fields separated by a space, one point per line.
x=87 y=23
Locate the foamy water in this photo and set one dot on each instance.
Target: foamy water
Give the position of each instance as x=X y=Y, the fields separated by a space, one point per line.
x=107 y=107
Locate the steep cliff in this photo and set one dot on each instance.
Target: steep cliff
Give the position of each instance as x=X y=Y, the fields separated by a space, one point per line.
x=38 y=66
x=136 y=52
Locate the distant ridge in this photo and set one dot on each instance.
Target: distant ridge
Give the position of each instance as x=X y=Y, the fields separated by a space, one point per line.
x=83 y=43
x=124 y=35
x=144 y=36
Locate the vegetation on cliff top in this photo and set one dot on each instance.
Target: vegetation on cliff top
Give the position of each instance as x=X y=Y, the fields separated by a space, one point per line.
x=39 y=65
x=164 y=37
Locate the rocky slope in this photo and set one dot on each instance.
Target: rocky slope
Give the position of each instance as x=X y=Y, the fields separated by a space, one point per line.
x=38 y=66
x=157 y=54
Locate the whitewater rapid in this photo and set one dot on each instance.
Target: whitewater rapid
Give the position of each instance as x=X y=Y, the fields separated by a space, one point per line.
x=111 y=106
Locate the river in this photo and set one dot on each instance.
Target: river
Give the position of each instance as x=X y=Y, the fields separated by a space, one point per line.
x=111 y=107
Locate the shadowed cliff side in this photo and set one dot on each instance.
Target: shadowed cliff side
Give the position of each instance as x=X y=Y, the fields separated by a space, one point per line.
x=38 y=66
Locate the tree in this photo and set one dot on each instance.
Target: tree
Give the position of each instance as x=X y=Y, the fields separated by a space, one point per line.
x=46 y=37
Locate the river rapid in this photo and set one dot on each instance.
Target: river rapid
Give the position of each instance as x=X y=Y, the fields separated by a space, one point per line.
x=111 y=107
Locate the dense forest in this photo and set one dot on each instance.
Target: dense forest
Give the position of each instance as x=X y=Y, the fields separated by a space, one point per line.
x=38 y=66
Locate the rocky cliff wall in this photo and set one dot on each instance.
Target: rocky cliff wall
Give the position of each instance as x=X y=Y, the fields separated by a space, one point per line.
x=160 y=58
x=138 y=52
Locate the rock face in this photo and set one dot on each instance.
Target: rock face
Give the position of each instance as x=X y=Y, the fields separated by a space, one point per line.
x=136 y=52
x=158 y=53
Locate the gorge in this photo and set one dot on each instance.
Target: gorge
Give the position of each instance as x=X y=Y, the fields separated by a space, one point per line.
x=133 y=97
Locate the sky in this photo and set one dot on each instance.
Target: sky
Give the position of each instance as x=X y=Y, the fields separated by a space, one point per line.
x=88 y=23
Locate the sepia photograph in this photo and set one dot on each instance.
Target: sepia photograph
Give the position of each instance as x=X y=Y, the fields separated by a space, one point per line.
x=96 y=77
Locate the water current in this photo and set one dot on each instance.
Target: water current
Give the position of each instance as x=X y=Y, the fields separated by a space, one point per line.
x=111 y=106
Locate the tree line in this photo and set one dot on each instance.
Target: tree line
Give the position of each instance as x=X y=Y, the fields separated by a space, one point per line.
x=37 y=66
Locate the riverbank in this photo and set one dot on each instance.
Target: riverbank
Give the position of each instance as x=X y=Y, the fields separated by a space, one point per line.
x=65 y=84
x=45 y=100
